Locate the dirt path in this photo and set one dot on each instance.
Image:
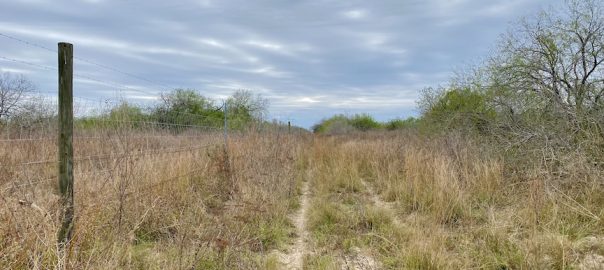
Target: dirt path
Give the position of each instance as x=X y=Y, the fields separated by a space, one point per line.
x=294 y=259
x=359 y=260
x=363 y=260
x=377 y=201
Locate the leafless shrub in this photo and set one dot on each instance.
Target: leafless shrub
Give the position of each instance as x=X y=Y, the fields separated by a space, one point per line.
x=13 y=91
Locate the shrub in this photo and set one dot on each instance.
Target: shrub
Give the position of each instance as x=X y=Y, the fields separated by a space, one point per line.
x=398 y=123
x=460 y=108
x=364 y=122
x=340 y=124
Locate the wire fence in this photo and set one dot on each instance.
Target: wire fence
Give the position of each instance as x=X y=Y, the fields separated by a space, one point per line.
x=116 y=138
x=29 y=154
x=117 y=135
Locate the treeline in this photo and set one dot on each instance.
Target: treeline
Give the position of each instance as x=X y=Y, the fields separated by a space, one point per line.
x=183 y=108
x=340 y=124
x=24 y=111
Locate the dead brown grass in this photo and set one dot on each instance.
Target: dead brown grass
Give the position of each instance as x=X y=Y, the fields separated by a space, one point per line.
x=377 y=200
x=456 y=203
x=167 y=209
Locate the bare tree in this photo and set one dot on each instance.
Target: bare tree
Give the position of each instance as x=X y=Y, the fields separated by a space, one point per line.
x=13 y=90
x=245 y=102
x=557 y=60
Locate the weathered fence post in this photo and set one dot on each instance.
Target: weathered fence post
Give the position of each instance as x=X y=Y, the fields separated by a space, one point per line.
x=66 y=141
x=226 y=126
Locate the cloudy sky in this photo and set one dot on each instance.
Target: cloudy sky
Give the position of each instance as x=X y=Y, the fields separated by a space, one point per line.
x=311 y=59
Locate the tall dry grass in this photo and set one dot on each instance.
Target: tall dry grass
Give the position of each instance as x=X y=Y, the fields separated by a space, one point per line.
x=389 y=199
x=452 y=203
x=152 y=201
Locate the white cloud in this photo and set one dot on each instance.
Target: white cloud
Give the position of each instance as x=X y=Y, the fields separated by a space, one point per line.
x=307 y=100
x=234 y=53
x=15 y=70
x=355 y=14
x=265 y=45
x=270 y=72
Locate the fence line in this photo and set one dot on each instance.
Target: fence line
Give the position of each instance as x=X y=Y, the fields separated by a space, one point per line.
x=81 y=76
x=27 y=63
x=155 y=123
x=33 y=44
x=81 y=174
x=159 y=151
x=110 y=144
x=53 y=178
x=153 y=185
x=99 y=138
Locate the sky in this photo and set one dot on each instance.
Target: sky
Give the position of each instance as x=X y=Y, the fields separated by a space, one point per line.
x=310 y=59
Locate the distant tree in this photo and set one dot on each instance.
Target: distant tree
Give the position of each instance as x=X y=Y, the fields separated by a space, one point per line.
x=128 y=112
x=187 y=107
x=337 y=124
x=245 y=104
x=34 y=112
x=245 y=107
x=457 y=108
x=13 y=91
x=364 y=122
x=396 y=124
x=340 y=124
x=186 y=101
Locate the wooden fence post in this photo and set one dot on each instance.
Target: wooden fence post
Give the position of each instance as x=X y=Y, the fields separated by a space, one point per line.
x=66 y=141
x=226 y=126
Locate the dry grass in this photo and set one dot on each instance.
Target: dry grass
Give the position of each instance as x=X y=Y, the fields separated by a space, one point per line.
x=377 y=201
x=446 y=203
x=161 y=210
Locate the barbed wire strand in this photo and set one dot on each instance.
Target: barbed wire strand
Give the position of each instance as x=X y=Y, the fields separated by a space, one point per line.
x=96 y=172
x=80 y=174
x=99 y=138
x=158 y=151
x=84 y=77
x=152 y=152
x=36 y=45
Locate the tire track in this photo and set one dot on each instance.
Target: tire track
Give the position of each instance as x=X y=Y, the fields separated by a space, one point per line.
x=377 y=201
x=294 y=259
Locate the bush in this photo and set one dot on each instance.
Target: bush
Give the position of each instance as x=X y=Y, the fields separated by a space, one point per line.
x=188 y=107
x=340 y=124
x=396 y=124
x=128 y=112
x=460 y=109
x=364 y=122
x=336 y=124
